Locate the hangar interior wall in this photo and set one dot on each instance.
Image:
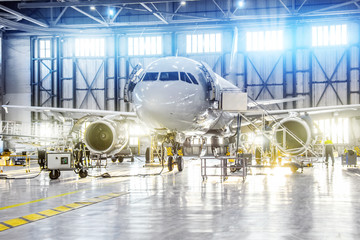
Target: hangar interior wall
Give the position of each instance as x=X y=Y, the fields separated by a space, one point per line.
x=324 y=76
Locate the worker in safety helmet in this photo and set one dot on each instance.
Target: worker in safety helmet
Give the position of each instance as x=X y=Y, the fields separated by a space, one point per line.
x=329 y=146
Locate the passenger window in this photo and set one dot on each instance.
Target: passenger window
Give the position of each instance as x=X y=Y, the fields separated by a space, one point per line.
x=184 y=77
x=151 y=76
x=193 y=79
x=169 y=76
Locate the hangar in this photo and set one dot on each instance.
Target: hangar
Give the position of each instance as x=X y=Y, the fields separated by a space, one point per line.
x=169 y=119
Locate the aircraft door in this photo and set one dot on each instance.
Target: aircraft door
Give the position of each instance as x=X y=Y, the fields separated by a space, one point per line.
x=213 y=87
x=134 y=78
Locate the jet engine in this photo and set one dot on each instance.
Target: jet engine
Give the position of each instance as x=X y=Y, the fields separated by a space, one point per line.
x=292 y=135
x=106 y=136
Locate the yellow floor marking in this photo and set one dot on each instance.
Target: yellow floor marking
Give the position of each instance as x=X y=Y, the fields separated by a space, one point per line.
x=3 y=227
x=39 y=200
x=15 y=222
x=104 y=197
x=33 y=217
x=84 y=203
x=95 y=199
x=62 y=209
x=74 y=205
x=114 y=194
x=60 y=195
x=49 y=212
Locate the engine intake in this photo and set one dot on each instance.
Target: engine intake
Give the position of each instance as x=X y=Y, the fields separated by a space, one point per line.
x=106 y=136
x=292 y=135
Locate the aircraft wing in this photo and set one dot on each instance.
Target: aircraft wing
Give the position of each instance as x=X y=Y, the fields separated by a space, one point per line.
x=309 y=110
x=273 y=101
x=53 y=110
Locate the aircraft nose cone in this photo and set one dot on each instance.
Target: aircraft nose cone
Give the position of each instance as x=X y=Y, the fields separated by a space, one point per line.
x=153 y=96
x=173 y=105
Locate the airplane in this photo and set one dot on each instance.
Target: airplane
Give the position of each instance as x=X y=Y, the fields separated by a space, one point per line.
x=178 y=98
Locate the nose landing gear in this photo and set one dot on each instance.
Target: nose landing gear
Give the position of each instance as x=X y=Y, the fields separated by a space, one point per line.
x=170 y=163
x=179 y=161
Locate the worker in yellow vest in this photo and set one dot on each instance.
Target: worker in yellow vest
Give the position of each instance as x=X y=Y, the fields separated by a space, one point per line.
x=329 y=146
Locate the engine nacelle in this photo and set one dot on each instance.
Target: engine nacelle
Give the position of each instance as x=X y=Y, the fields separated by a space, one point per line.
x=105 y=136
x=296 y=140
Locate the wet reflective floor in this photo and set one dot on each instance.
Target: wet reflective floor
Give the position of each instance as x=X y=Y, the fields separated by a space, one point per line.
x=320 y=203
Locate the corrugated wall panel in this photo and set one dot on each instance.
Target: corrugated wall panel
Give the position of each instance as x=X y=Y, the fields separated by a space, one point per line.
x=309 y=63
x=329 y=65
x=17 y=75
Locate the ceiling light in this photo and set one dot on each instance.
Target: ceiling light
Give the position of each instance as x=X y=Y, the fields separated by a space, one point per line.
x=183 y=3
x=111 y=12
x=241 y=3
x=92 y=8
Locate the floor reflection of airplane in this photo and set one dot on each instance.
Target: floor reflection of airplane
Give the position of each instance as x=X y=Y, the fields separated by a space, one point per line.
x=177 y=98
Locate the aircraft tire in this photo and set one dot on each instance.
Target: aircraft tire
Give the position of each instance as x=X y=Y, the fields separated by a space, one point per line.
x=83 y=173
x=180 y=163
x=120 y=159
x=293 y=168
x=170 y=163
x=113 y=159
x=147 y=155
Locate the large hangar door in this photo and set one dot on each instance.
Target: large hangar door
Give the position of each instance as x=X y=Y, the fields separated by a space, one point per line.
x=265 y=76
x=73 y=72
x=329 y=76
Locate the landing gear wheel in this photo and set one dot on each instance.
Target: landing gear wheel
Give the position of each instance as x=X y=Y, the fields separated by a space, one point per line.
x=147 y=155
x=54 y=174
x=293 y=168
x=132 y=159
x=83 y=173
x=170 y=163
x=120 y=159
x=233 y=168
x=180 y=163
x=113 y=159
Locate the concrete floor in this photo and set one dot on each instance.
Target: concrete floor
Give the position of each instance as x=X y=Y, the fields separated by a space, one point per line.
x=321 y=203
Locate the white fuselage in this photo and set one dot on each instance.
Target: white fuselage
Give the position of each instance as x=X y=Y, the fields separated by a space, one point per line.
x=172 y=95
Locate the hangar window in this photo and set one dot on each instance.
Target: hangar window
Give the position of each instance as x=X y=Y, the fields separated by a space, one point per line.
x=264 y=40
x=339 y=132
x=203 y=43
x=45 y=48
x=151 y=76
x=169 y=76
x=139 y=46
x=89 y=47
x=134 y=141
x=329 y=35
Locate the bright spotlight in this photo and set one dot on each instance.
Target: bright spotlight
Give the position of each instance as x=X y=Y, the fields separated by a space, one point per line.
x=241 y=3
x=111 y=12
x=183 y=3
x=92 y=8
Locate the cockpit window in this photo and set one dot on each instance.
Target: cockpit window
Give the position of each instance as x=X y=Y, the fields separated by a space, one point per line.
x=193 y=79
x=169 y=76
x=151 y=76
x=184 y=77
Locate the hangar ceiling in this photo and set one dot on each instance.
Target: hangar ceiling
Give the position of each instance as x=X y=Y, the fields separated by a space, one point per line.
x=108 y=15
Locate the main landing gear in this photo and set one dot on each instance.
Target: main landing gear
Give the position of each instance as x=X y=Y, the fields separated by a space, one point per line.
x=178 y=160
